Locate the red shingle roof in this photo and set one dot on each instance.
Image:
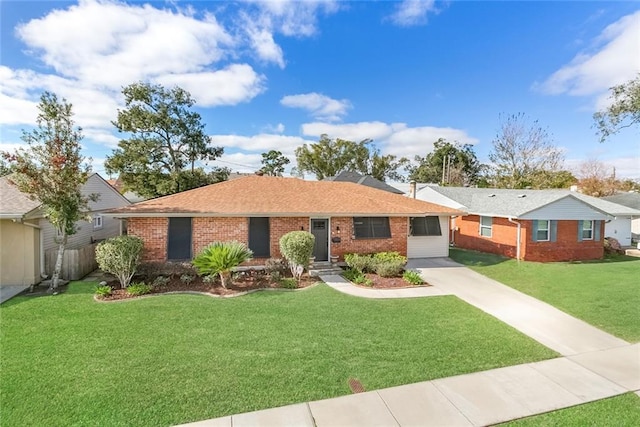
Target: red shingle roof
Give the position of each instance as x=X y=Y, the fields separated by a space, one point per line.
x=275 y=196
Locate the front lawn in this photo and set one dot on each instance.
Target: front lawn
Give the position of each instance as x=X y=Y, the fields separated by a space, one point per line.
x=604 y=293
x=67 y=360
x=619 y=411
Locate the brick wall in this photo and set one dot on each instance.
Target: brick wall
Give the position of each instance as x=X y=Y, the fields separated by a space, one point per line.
x=153 y=231
x=503 y=241
x=207 y=230
x=348 y=244
x=566 y=247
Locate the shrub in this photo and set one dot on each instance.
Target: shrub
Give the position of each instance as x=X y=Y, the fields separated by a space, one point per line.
x=297 y=247
x=103 y=291
x=389 y=268
x=289 y=283
x=389 y=257
x=612 y=246
x=139 y=289
x=120 y=256
x=211 y=278
x=220 y=258
x=187 y=278
x=275 y=265
x=362 y=263
x=357 y=277
x=161 y=281
x=412 y=277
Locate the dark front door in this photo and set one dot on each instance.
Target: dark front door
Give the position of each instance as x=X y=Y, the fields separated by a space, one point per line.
x=259 y=241
x=320 y=229
x=179 y=239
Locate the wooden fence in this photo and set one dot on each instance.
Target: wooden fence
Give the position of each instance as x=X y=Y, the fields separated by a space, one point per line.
x=76 y=263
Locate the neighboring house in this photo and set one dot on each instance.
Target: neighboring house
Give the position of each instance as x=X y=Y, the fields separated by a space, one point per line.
x=534 y=225
x=624 y=226
x=129 y=195
x=258 y=210
x=28 y=241
x=368 y=180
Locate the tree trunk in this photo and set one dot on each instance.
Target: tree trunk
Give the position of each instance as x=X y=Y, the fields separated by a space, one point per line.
x=58 y=268
x=224 y=278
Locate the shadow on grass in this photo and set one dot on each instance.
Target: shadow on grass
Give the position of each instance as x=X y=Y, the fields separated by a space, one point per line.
x=475 y=258
x=608 y=259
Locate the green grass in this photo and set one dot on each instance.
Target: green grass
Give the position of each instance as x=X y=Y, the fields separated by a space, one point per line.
x=619 y=411
x=604 y=293
x=67 y=360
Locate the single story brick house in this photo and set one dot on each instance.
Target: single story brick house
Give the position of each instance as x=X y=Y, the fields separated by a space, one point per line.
x=533 y=225
x=344 y=217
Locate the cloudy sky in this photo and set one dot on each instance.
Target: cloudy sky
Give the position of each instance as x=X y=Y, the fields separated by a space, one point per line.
x=275 y=75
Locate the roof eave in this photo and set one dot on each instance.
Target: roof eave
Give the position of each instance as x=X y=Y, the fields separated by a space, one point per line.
x=273 y=214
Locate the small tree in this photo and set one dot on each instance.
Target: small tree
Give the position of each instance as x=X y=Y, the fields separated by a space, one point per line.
x=52 y=171
x=220 y=258
x=273 y=163
x=297 y=247
x=622 y=112
x=120 y=256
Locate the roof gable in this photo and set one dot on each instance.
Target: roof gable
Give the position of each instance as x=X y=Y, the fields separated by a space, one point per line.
x=13 y=202
x=277 y=196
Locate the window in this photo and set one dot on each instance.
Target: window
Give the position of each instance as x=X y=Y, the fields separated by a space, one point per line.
x=97 y=222
x=371 y=228
x=425 y=226
x=542 y=235
x=259 y=240
x=587 y=230
x=485 y=226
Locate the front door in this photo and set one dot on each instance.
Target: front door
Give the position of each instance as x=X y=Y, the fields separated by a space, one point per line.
x=320 y=229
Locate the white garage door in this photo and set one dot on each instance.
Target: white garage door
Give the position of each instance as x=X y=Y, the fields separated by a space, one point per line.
x=620 y=229
x=430 y=246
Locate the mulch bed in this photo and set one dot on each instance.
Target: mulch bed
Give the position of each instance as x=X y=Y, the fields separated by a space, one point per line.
x=244 y=282
x=380 y=282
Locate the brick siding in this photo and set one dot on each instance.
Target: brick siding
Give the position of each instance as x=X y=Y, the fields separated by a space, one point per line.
x=503 y=240
x=207 y=230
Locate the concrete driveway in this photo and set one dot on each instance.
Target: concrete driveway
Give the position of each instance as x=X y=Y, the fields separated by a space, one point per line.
x=539 y=320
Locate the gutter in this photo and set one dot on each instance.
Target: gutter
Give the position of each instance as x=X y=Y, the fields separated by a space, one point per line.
x=517 y=237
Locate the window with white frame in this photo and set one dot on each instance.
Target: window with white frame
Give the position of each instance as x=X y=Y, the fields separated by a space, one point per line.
x=97 y=222
x=542 y=235
x=587 y=230
x=486 y=223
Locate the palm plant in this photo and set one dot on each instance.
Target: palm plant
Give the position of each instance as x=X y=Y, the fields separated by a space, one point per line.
x=220 y=258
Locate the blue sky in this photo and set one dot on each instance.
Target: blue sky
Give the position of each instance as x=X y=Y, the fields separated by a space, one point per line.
x=275 y=75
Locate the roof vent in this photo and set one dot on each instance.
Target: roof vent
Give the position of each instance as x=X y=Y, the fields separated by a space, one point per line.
x=492 y=195
x=521 y=196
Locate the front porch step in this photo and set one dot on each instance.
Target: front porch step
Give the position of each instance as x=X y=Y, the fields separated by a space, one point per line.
x=324 y=268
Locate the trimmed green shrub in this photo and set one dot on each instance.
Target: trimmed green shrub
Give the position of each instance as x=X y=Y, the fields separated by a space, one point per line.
x=103 y=291
x=389 y=257
x=120 y=256
x=297 y=248
x=389 y=268
x=139 y=289
x=289 y=283
x=187 y=278
x=357 y=277
x=412 y=277
x=220 y=258
x=362 y=263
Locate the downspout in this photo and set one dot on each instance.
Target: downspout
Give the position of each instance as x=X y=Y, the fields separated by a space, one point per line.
x=517 y=237
x=453 y=229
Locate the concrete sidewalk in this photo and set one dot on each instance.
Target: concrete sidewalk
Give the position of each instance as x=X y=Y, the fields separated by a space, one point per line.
x=9 y=291
x=477 y=399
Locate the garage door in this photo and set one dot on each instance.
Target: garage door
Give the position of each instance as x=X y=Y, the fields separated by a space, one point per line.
x=430 y=246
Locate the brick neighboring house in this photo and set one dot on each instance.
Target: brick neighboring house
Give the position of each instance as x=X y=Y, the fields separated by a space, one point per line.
x=258 y=210
x=533 y=225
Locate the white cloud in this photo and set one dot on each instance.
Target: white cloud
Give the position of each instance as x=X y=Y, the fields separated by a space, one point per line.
x=239 y=162
x=611 y=61
x=318 y=105
x=412 y=12
x=392 y=138
x=261 y=143
x=261 y=40
x=230 y=86
x=294 y=17
x=279 y=128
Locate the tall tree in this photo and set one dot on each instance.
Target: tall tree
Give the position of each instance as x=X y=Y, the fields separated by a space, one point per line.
x=596 y=179
x=166 y=141
x=623 y=112
x=52 y=171
x=5 y=167
x=273 y=163
x=448 y=163
x=521 y=151
x=328 y=157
